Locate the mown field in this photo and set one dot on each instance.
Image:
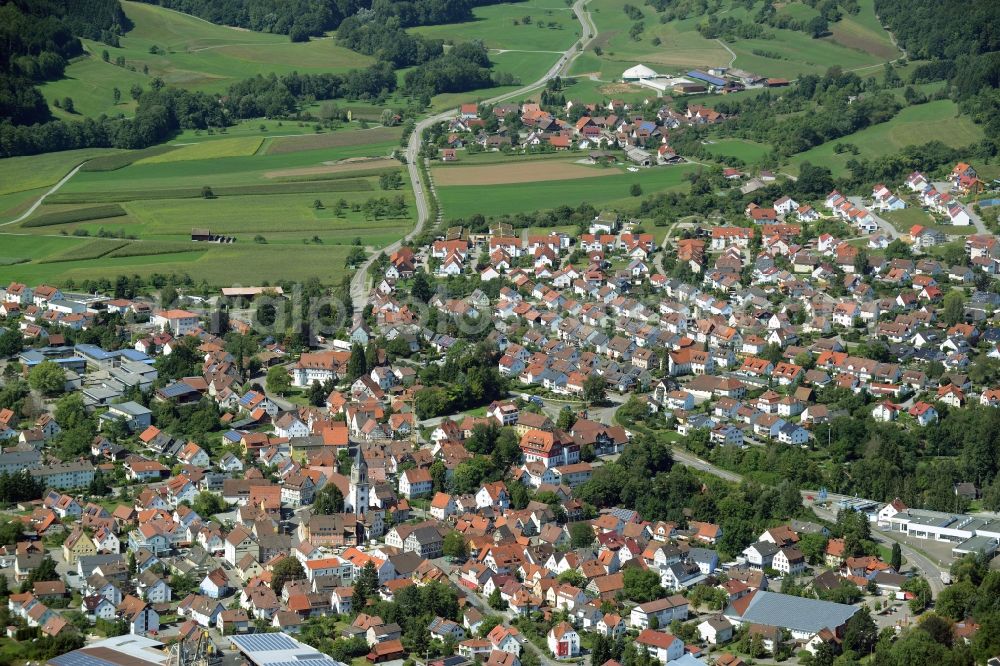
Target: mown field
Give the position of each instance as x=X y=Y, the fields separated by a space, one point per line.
x=218 y=265
x=855 y=42
x=191 y=53
x=938 y=120
x=541 y=25
x=610 y=189
x=280 y=196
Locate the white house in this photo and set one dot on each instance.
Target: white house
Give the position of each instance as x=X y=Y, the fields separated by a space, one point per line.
x=662 y=646
x=563 y=641
x=178 y=322
x=415 y=482
x=664 y=610
x=789 y=561
x=715 y=630
x=885 y=412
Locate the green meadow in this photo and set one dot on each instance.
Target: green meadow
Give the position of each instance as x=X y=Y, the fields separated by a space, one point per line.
x=938 y=120
x=265 y=187
x=855 y=42
x=18 y=174
x=217 y=264
x=748 y=151
x=188 y=52
x=540 y=25
x=612 y=190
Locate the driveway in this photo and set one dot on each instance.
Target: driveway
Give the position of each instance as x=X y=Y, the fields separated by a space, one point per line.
x=883 y=225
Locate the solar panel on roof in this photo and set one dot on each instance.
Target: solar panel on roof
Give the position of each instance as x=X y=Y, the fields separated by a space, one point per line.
x=264 y=642
x=79 y=658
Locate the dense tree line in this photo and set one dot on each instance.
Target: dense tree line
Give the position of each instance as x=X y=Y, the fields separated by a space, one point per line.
x=838 y=108
x=275 y=96
x=964 y=46
x=296 y=18
x=301 y=19
x=37 y=38
x=464 y=67
x=162 y=111
x=468 y=378
x=645 y=478
x=386 y=39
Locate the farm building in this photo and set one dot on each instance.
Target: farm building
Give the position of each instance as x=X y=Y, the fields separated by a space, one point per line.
x=640 y=157
x=707 y=78
x=638 y=73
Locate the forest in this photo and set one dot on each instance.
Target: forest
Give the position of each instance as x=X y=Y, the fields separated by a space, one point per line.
x=301 y=19
x=37 y=38
x=966 y=42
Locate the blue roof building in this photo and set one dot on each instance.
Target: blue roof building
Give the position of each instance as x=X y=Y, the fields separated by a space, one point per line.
x=707 y=78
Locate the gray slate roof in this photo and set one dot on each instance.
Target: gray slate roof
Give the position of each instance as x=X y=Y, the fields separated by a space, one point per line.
x=795 y=613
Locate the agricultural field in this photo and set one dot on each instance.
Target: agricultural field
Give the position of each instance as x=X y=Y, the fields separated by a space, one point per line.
x=546 y=26
x=190 y=53
x=748 y=151
x=938 y=120
x=610 y=189
x=504 y=174
x=207 y=150
x=293 y=210
x=855 y=42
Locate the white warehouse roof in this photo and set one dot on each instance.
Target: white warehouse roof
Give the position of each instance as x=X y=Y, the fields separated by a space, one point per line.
x=638 y=72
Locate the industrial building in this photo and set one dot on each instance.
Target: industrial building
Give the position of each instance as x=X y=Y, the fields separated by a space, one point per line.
x=277 y=649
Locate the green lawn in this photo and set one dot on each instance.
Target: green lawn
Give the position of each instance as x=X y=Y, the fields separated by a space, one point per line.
x=528 y=67
x=681 y=46
x=856 y=41
x=242 y=263
x=209 y=150
x=551 y=27
x=161 y=197
x=613 y=189
x=904 y=219
x=748 y=151
x=586 y=89
x=863 y=31
x=36 y=171
x=938 y=120
x=190 y=53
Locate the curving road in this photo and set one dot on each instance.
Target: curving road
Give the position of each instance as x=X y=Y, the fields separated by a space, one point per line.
x=55 y=188
x=359 y=282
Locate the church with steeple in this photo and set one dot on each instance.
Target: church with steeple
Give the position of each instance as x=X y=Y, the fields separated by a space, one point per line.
x=358 y=497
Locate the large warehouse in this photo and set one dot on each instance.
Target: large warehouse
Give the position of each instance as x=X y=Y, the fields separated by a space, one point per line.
x=127 y=650
x=279 y=649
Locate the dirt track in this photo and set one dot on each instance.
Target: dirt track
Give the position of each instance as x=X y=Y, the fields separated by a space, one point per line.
x=359 y=165
x=517 y=172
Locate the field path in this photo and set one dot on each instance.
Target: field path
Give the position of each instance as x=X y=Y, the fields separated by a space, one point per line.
x=731 y=52
x=359 y=282
x=55 y=188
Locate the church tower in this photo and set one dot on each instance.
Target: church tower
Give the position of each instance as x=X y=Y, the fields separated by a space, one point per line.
x=357 y=501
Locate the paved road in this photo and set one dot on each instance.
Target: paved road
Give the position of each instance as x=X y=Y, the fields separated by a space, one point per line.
x=480 y=604
x=52 y=190
x=884 y=226
x=688 y=459
x=359 y=283
x=919 y=562
x=977 y=222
